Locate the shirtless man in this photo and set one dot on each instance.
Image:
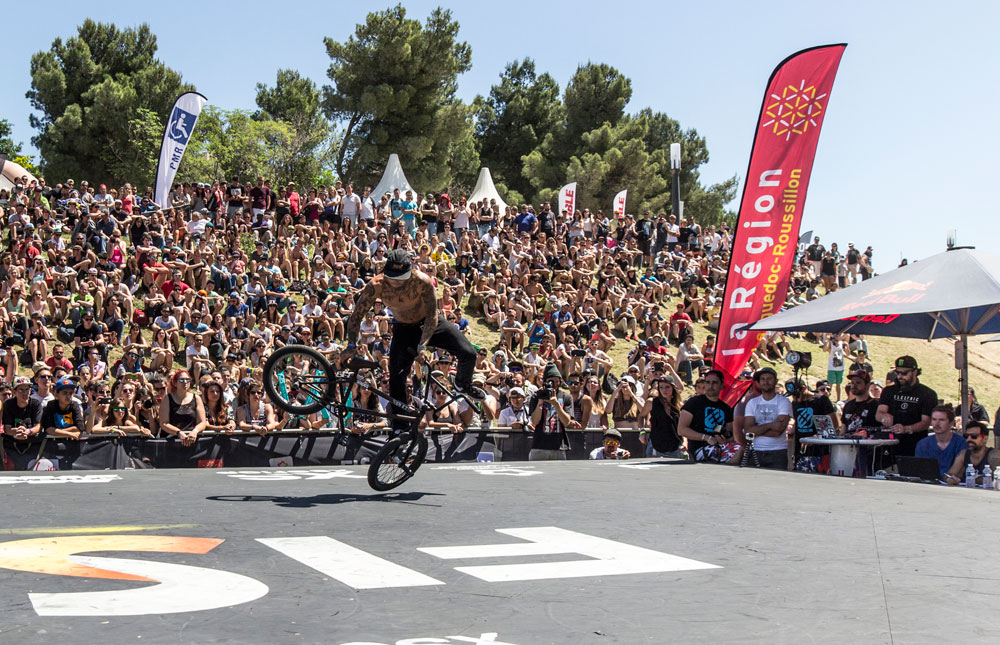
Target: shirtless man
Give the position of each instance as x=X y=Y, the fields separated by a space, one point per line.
x=411 y=297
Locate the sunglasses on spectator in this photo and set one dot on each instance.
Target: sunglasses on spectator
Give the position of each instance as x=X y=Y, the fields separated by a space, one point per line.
x=183 y=380
x=971 y=435
x=119 y=409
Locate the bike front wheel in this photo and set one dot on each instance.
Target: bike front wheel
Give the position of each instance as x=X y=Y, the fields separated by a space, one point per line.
x=299 y=380
x=396 y=462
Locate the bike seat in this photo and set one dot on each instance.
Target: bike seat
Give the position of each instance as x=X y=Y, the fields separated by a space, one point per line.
x=361 y=364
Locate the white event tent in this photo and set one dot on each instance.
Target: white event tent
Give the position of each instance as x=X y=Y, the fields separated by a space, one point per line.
x=393 y=178
x=486 y=190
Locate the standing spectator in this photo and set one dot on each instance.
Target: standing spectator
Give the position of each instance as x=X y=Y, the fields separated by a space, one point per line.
x=663 y=405
x=807 y=409
x=22 y=429
x=706 y=421
x=767 y=417
x=905 y=407
x=234 y=196
x=548 y=410
x=836 y=347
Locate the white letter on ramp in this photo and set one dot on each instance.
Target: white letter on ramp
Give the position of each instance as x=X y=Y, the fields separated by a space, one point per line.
x=610 y=558
x=355 y=568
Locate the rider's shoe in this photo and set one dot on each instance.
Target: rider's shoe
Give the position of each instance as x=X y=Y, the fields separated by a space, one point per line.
x=474 y=392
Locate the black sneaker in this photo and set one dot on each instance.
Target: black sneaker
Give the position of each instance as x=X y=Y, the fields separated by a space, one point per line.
x=475 y=393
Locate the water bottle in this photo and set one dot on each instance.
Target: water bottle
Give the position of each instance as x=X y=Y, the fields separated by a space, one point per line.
x=970 y=476
x=987 y=476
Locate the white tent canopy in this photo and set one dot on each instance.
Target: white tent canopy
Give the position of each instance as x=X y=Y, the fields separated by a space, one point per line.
x=11 y=173
x=486 y=190
x=393 y=178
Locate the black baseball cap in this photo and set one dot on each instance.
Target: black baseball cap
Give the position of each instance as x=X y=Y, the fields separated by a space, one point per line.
x=397 y=265
x=906 y=363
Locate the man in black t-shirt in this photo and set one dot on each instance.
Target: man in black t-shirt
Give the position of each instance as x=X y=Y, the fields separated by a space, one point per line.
x=860 y=410
x=853 y=258
x=905 y=407
x=88 y=334
x=814 y=253
x=706 y=420
x=22 y=431
x=234 y=197
x=806 y=407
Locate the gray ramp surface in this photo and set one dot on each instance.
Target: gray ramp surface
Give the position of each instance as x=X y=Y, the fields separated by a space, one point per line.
x=514 y=553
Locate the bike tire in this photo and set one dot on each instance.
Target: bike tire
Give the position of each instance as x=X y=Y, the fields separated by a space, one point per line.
x=397 y=461
x=322 y=389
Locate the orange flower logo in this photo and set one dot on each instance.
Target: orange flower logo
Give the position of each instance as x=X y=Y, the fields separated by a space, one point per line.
x=794 y=111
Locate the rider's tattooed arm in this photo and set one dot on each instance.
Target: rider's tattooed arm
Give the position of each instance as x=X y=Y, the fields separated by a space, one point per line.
x=429 y=296
x=364 y=303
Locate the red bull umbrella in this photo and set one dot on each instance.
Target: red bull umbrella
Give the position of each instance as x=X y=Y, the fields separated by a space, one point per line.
x=954 y=293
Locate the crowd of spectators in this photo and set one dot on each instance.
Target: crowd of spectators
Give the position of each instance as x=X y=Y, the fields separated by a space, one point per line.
x=125 y=316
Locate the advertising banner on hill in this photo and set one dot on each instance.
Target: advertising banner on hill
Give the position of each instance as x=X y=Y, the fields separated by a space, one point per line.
x=774 y=194
x=567 y=198
x=619 y=205
x=180 y=125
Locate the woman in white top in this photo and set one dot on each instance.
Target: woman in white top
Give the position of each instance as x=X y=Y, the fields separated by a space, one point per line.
x=462 y=218
x=598 y=414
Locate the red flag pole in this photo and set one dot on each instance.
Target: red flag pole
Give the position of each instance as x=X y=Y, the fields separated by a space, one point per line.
x=767 y=228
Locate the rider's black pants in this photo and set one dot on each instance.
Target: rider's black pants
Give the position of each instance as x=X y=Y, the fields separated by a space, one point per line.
x=403 y=351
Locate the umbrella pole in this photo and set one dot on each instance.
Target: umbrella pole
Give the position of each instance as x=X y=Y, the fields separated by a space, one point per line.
x=965 y=382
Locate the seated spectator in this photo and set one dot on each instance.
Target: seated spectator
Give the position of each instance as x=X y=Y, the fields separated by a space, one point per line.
x=976 y=453
x=944 y=445
x=681 y=325
x=689 y=360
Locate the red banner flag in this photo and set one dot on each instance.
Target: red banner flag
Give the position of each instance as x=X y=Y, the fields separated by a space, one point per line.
x=767 y=229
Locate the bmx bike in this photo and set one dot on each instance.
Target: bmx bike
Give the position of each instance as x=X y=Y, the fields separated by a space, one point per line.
x=301 y=381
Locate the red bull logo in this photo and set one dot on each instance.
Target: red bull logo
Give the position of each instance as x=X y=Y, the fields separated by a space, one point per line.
x=901 y=293
x=899 y=287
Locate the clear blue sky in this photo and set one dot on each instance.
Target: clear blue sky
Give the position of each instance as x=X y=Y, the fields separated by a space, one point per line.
x=909 y=143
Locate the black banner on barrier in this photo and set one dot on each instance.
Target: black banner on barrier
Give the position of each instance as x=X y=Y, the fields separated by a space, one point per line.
x=235 y=451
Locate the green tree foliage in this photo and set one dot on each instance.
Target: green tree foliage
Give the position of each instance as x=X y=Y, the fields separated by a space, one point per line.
x=617 y=158
x=393 y=88
x=134 y=159
x=14 y=149
x=297 y=102
x=89 y=91
x=513 y=120
x=605 y=150
x=597 y=94
x=233 y=143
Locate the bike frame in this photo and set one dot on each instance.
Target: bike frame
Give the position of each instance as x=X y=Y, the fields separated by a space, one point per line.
x=345 y=383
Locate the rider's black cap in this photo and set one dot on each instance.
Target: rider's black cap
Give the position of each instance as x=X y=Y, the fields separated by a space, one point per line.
x=397 y=264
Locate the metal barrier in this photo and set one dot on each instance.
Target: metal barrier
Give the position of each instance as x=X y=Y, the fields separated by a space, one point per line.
x=314 y=447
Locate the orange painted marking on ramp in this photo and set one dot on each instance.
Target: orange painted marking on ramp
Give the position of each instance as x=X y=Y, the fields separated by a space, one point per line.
x=51 y=554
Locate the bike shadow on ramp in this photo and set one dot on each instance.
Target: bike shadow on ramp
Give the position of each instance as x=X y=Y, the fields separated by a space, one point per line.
x=328 y=498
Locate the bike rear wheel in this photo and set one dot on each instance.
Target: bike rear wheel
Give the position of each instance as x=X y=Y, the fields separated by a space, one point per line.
x=299 y=380
x=396 y=462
